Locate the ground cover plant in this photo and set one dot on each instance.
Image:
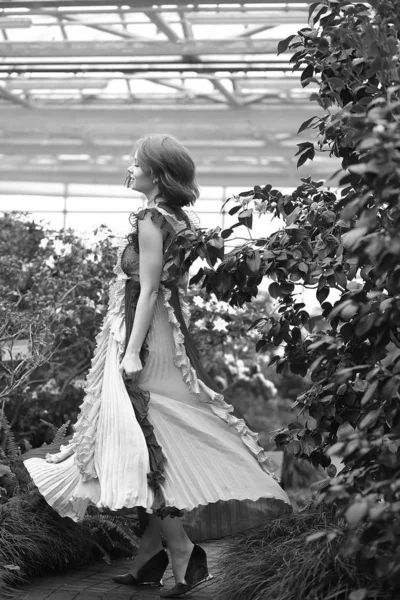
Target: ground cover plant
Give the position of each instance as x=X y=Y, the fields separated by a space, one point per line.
x=283 y=560
x=35 y=540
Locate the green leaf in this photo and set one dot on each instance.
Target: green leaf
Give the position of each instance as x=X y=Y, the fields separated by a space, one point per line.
x=356 y=512
x=352 y=238
x=274 y=290
x=253 y=262
x=365 y=323
x=307 y=74
x=370 y=419
x=307 y=155
x=284 y=44
x=294 y=215
x=369 y=393
x=307 y=124
x=322 y=294
x=298 y=367
x=260 y=345
x=246 y=218
x=359 y=594
x=226 y=233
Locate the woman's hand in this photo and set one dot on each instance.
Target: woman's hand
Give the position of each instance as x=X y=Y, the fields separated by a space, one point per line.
x=131 y=366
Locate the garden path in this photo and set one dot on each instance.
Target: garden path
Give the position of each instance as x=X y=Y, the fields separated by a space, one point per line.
x=93 y=582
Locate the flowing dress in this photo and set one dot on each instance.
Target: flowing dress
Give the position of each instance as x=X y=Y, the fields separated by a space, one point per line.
x=170 y=444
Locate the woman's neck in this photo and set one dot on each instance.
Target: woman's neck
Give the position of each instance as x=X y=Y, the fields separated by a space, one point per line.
x=154 y=199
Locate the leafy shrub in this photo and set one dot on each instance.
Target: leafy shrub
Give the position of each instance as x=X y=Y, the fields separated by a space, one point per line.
x=344 y=244
x=53 y=293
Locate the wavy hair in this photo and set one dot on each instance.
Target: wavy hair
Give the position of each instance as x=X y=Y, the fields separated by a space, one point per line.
x=166 y=158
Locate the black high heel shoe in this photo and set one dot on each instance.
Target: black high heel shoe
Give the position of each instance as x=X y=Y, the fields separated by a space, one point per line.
x=196 y=573
x=149 y=574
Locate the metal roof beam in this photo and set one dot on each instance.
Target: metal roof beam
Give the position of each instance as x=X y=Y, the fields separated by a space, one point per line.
x=163 y=26
x=232 y=66
x=139 y=5
x=97 y=27
x=7 y=95
x=182 y=88
x=133 y=47
x=278 y=7
x=231 y=97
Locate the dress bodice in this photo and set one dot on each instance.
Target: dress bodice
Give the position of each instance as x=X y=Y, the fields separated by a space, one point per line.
x=170 y=221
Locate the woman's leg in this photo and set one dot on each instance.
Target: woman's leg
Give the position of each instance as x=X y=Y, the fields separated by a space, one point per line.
x=150 y=544
x=179 y=545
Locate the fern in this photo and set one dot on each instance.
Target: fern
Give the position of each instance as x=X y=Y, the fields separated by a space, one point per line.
x=61 y=433
x=115 y=531
x=13 y=451
x=122 y=526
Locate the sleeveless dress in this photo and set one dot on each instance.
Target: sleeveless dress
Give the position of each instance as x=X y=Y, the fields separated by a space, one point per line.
x=170 y=444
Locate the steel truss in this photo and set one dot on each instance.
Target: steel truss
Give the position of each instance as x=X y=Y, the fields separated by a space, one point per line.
x=207 y=72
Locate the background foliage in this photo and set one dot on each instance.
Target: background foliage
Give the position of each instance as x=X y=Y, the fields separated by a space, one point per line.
x=54 y=293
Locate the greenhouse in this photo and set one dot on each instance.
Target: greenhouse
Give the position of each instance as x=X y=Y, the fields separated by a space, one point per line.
x=200 y=300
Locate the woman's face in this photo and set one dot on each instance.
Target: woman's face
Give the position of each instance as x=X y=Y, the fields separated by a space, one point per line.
x=138 y=179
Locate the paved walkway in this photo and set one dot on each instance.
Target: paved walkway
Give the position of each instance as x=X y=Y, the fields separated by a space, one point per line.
x=93 y=582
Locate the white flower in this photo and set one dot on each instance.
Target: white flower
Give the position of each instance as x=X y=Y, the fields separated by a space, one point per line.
x=220 y=324
x=43 y=243
x=78 y=383
x=58 y=246
x=90 y=303
x=201 y=324
x=221 y=307
x=198 y=301
x=229 y=358
x=50 y=262
x=51 y=387
x=253 y=334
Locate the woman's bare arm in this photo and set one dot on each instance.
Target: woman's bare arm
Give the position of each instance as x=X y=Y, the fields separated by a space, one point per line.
x=150 y=268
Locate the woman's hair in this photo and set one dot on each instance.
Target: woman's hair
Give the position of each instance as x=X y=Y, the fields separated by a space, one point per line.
x=168 y=160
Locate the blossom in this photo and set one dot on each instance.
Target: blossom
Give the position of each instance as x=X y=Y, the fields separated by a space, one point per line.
x=60 y=248
x=90 y=303
x=221 y=306
x=50 y=262
x=220 y=324
x=198 y=301
x=43 y=243
x=200 y=324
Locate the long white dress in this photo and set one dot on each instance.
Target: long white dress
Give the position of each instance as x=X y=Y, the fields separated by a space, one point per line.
x=210 y=455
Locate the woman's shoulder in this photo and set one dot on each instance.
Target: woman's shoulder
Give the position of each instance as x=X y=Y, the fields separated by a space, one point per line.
x=167 y=218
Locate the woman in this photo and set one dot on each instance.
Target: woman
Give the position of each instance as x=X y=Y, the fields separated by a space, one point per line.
x=153 y=431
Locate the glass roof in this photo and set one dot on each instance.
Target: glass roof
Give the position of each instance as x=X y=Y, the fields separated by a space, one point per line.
x=80 y=81
x=138 y=53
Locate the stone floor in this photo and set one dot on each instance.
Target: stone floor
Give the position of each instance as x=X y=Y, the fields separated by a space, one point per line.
x=93 y=582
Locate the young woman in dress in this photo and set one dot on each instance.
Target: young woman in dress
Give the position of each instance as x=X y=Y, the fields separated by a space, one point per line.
x=154 y=433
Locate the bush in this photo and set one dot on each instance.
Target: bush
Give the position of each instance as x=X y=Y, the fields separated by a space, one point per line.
x=54 y=295
x=344 y=244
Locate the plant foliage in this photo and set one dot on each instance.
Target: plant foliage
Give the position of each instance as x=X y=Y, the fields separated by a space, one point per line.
x=53 y=296
x=344 y=244
x=34 y=539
